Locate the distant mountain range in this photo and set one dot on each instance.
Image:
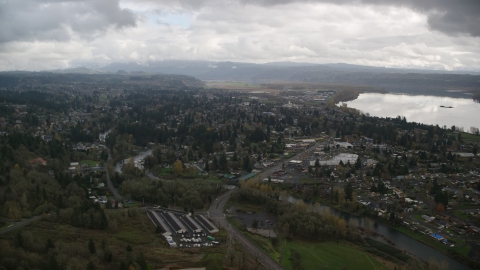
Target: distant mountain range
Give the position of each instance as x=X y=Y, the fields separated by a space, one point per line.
x=411 y=81
x=210 y=70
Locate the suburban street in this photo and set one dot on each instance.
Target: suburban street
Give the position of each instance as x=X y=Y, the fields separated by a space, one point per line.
x=216 y=214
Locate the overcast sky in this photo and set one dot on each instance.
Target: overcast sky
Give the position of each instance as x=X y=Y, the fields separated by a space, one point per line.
x=50 y=34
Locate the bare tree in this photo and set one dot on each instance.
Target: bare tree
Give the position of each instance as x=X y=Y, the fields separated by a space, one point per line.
x=241 y=261
x=230 y=248
x=257 y=261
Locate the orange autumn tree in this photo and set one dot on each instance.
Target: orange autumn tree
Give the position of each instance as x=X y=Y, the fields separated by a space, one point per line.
x=440 y=208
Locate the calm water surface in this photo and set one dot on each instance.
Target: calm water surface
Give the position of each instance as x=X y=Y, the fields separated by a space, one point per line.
x=421 y=109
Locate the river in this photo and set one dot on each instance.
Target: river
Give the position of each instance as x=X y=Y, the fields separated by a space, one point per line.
x=421 y=109
x=136 y=160
x=103 y=136
x=401 y=240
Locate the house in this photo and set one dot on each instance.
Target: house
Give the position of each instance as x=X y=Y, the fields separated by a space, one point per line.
x=47 y=138
x=3 y=123
x=344 y=145
x=38 y=161
x=464 y=155
x=102 y=199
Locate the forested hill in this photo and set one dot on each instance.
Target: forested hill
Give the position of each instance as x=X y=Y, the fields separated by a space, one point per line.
x=36 y=79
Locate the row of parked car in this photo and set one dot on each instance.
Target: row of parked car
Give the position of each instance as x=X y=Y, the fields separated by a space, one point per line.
x=189 y=240
x=196 y=245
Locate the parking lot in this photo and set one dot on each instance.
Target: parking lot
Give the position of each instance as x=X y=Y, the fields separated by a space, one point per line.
x=182 y=230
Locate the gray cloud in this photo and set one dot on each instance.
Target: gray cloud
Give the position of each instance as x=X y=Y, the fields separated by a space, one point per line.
x=50 y=34
x=447 y=16
x=30 y=20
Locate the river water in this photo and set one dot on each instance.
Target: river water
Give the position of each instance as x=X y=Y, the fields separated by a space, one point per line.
x=421 y=109
x=402 y=241
x=136 y=160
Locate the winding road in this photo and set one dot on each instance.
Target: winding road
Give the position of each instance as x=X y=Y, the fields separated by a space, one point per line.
x=216 y=214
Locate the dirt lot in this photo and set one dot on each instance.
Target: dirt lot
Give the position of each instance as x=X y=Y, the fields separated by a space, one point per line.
x=248 y=218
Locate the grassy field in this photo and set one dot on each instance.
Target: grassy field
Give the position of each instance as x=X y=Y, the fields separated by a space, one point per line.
x=212 y=180
x=330 y=255
x=162 y=171
x=91 y=163
x=471 y=137
x=231 y=84
x=103 y=97
x=314 y=255
x=306 y=180
x=466 y=136
x=137 y=231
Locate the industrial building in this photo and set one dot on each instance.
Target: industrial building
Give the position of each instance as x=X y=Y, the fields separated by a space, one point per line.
x=206 y=223
x=191 y=224
x=174 y=223
x=178 y=227
x=343 y=157
x=159 y=222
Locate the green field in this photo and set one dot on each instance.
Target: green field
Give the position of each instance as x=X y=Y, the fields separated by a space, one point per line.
x=91 y=163
x=137 y=231
x=103 y=97
x=330 y=255
x=163 y=171
x=466 y=136
x=306 y=180
x=211 y=179
x=231 y=84
x=471 y=137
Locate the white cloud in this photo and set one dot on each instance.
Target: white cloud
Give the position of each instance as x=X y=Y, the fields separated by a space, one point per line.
x=231 y=31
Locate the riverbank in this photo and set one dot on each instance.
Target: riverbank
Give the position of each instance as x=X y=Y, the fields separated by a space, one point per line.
x=309 y=254
x=349 y=94
x=458 y=253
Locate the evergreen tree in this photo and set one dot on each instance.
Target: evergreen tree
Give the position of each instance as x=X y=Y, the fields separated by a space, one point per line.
x=207 y=168
x=348 y=191
x=91 y=246
x=49 y=245
x=52 y=263
x=142 y=262
x=90 y=266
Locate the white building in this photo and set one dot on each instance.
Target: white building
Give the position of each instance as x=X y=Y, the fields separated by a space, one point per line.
x=343 y=157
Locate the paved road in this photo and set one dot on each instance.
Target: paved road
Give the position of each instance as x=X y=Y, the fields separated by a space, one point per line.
x=109 y=183
x=278 y=166
x=19 y=224
x=216 y=213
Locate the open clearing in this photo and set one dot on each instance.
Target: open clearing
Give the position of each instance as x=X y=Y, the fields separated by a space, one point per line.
x=330 y=255
x=136 y=231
